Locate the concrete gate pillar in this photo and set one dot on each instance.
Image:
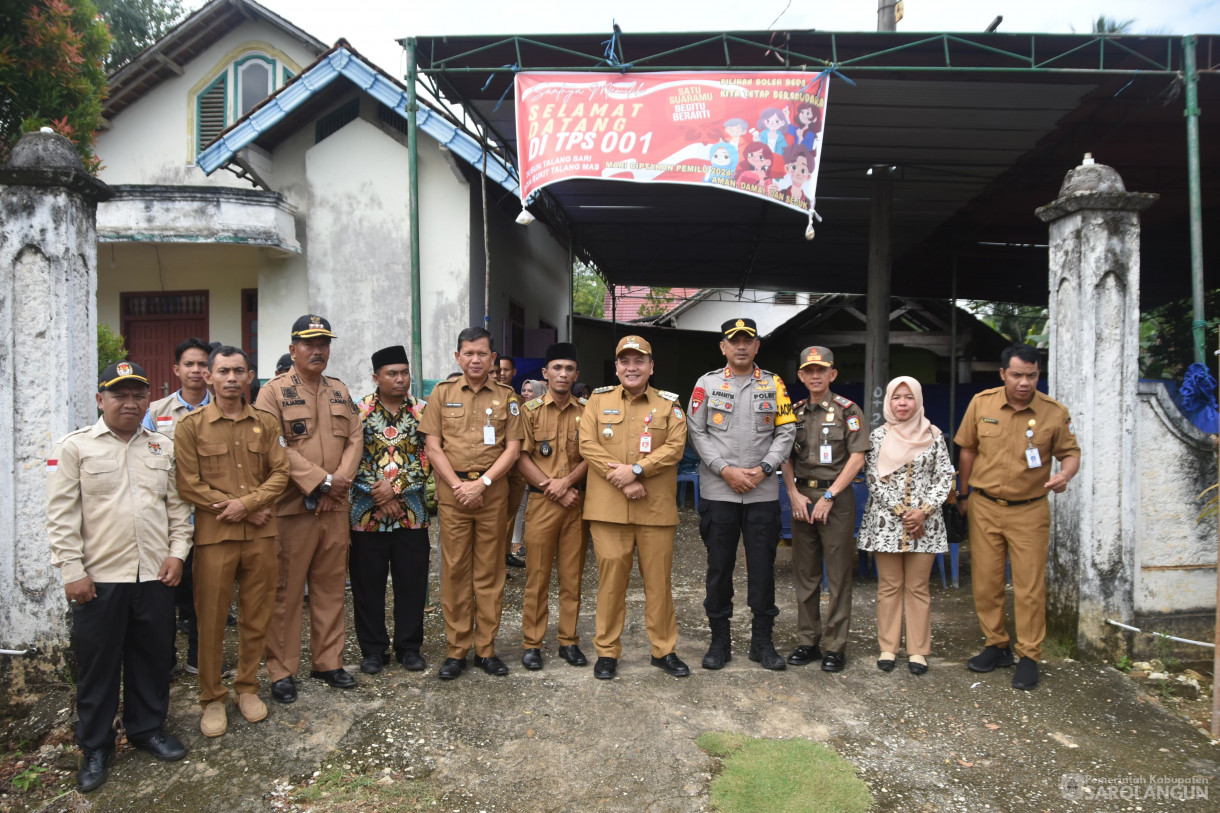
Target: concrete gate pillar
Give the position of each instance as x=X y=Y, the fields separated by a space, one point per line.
x=48 y=373
x=1094 y=371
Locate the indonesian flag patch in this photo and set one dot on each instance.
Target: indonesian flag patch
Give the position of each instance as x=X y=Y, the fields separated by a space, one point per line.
x=52 y=465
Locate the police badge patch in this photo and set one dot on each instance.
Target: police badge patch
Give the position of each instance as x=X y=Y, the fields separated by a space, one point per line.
x=853 y=423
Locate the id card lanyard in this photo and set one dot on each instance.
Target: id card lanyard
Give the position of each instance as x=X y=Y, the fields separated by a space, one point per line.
x=825 y=452
x=489 y=431
x=1032 y=458
x=646 y=436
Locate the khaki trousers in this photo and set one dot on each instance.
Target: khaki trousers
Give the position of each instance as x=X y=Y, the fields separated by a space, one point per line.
x=902 y=580
x=614 y=545
x=833 y=542
x=254 y=565
x=1020 y=533
x=472 y=572
x=517 y=486
x=555 y=540
x=313 y=550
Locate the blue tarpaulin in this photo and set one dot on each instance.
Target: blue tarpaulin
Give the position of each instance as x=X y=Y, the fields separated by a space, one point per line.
x=1197 y=398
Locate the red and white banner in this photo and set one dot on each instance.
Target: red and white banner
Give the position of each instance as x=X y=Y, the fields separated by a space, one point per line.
x=758 y=133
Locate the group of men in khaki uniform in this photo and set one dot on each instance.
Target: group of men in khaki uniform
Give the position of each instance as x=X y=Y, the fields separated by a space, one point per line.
x=270 y=483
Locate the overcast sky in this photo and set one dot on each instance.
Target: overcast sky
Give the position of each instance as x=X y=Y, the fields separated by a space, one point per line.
x=373 y=25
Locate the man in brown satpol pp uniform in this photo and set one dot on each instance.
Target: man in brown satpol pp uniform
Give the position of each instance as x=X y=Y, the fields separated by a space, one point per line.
x=325 y=439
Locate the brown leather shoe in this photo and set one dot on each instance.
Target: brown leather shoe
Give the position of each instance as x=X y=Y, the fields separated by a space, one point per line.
x=252 y=707
x=214 y=722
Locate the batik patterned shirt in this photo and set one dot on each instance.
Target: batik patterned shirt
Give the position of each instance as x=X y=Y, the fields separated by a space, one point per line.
x=394 y=451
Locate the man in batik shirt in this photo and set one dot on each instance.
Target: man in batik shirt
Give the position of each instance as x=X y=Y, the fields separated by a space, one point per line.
x=389 y=518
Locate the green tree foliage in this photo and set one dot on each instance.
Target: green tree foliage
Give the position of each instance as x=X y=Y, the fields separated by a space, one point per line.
x=111 y=347
x=1167 y=341
x=137 y=24
x=657 y=302
x=51 y=72
x=1109 y=25
x=588 y=291
x=1020 y=324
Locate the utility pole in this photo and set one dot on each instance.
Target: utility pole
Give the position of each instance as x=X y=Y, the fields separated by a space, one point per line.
x=889 y=12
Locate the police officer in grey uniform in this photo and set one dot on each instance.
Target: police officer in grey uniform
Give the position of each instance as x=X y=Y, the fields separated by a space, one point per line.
x=831 y=439
x=741 y=424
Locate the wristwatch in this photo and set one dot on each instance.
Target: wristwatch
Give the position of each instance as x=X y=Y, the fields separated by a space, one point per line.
x=326 y=484
x=637 y=469
x=767 y=468
x=486 y=481
x=829 y=495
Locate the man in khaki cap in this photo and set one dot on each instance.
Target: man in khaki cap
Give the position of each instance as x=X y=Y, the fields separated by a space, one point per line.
x=632 y=437
x=325 y=440
x=831 y=439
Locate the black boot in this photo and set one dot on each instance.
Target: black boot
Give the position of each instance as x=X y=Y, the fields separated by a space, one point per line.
x=720 y=651
x=761 y=649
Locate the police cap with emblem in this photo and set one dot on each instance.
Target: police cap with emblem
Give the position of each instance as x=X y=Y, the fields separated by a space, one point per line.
x=637 y=343
x=562 y=350
x=390 y=355
x=311 y=326
x=820 y=356
x=734 y=326
x=121 y=371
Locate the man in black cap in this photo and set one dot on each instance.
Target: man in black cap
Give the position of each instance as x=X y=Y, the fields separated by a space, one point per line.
x=284 y=364
x=740 y=422
x=322 y=428
x=109 y=486
x=389 y=518
x=555 y=473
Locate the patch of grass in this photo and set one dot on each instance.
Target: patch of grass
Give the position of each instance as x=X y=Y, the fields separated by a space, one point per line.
x=1123 y=664
x=1060 y=647
x=782 y=776
x=336 y=791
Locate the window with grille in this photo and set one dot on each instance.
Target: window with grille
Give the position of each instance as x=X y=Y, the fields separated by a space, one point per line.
x=785 y=297
x=211 y=114
x=238 y=88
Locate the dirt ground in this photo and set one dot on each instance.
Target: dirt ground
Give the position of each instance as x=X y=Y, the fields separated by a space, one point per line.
x=1089 y=738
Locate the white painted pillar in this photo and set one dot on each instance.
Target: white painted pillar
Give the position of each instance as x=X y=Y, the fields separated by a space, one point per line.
x=48 y=370
x=1094 y=371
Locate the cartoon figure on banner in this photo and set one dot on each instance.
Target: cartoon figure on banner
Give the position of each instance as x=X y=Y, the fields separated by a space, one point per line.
x=736 y=131
x=771 y=124
x=798 y=161
x=723 y=158
x=804 y=130
x=758 y=166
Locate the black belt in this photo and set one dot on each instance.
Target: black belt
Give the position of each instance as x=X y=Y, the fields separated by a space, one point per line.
x=814 y=483
x=535 y=490
x=998 y=501
x=469 y=475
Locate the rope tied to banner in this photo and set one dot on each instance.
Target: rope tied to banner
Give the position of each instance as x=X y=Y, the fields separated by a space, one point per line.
x=610 y=54
x=833 y=68
x=514 y=67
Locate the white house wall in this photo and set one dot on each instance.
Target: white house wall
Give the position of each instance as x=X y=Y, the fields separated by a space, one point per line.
x=152 y=141
x=710 y=314
x=444 y=257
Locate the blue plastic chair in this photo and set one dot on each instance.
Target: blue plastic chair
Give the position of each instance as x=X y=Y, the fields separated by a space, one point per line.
x=688 y=473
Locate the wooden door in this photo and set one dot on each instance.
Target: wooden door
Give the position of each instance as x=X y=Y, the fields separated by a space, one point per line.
x=154 y=323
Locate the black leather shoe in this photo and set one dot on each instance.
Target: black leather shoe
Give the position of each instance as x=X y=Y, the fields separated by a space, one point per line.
x=672 y=665
x=162 y=746
x=513 y=561
x=413 y=662
x=917 y=668
x=1027 y=674
x=492 y=665
x=886 y=665
x=335 y=678
x=372 y=664
x=716 y=658
x=833 y=661
x=94 y=768
x=532 y=659
x=605 y=668
x=451 y=668
x=572 y=654
x=990 y=658
x=805 y=655
x=284 y=690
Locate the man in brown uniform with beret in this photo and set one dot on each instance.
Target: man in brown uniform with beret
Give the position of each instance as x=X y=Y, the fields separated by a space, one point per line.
x=325 y=440
x=632 y=437
x=831 y=439
x=1008 y=436
x=473 y=424
x=551 y=464
x=233 y=466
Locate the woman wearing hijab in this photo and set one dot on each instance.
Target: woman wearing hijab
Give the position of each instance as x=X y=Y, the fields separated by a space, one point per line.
x=909 y=476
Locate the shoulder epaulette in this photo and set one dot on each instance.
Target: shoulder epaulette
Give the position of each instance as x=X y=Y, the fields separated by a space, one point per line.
x=800 y=403
x=603 y=389
x=192 y=414
x=534 y=404
x=844 y=402
x=270 y=415
x=668 y=396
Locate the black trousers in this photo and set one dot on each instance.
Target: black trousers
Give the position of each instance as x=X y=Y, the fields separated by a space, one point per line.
x=125 y=632
x=721 y=524
x=401 y=555
x=184 y=603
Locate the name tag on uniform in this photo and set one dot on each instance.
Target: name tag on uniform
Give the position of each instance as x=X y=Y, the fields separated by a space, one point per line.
x=645 y=443
x=489 y=436
x=825 y=454
x=1033 y=459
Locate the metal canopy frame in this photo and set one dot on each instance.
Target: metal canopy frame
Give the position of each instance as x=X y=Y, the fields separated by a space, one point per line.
x=1016 y=111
